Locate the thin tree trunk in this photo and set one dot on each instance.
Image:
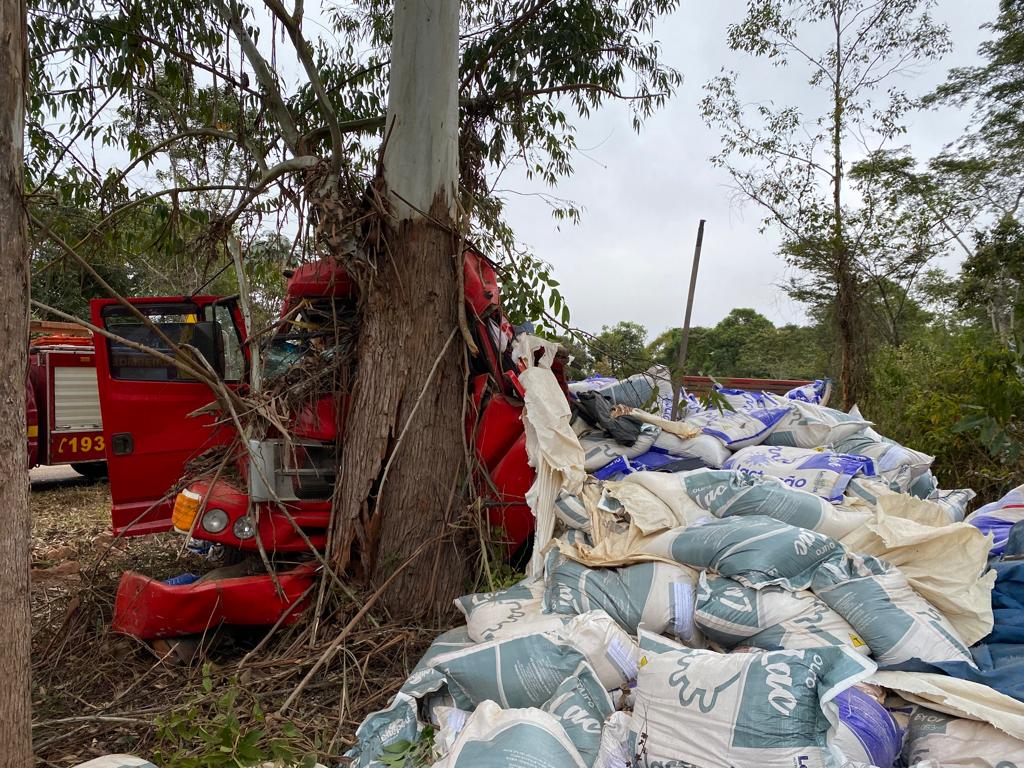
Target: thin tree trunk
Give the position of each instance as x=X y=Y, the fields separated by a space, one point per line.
x=402 y=464
x=15 y=632
x=846 y=283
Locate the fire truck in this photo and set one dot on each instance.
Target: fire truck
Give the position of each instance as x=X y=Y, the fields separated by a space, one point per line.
x=155 y=421
x=62 y=399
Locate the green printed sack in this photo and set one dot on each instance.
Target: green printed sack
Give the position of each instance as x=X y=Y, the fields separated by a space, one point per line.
x=581 y=706
x=741 y=710
x=755 y=550
x=727 y=493
x=611 y=652
x=898 y=625
x=955 y=742
x=496 y=737
x=521 y=671
x=399 y=721
x=658 y=595
x=771 y=618
x=808 y=425
x=507 y=612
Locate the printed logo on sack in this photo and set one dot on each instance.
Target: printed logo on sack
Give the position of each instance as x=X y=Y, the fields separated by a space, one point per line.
x=706 y=496
x=395 y=728
x=516 y=611
x=779 y=679
x=937 y=622
x=764 y=459
x=582 y=719
x=738 y=599
x=806 y=539
x=714 y=681
x=418 y=677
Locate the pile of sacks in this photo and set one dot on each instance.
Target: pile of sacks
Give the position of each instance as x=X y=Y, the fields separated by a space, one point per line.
x=773 y=585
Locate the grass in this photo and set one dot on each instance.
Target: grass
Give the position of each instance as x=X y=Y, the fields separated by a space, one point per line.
x=96 y=692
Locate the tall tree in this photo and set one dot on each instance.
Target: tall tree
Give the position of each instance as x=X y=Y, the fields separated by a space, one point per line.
x=619 y=350
x=406 y=344
x=15 y=616
x=989 y=158
x=992 y=278
x=197 y=82
x=795 y=165
x=745 y=343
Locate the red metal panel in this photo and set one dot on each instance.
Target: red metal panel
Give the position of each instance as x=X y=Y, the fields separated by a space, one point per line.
x=276 y=531
x=37 y=410
x=323 y=278
x=317 y=421
x=501 y=424
x=148 y=609
x=32 y=425
x=506 y=495
x=66 y=446
x=481 y=284
x=154 y=415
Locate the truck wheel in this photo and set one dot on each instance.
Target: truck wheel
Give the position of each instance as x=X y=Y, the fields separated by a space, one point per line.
x=94 y=470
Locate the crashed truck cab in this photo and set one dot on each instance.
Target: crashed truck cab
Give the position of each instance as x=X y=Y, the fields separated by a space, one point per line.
x=241 y=513
x=274 y=498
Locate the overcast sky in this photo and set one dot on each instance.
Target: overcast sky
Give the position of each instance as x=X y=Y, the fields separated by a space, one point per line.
x=642 y=195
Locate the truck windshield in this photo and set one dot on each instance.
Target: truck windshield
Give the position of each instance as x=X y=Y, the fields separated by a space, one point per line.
x=322 y=330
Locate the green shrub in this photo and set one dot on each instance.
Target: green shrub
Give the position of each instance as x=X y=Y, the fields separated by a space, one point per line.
x=959 y=398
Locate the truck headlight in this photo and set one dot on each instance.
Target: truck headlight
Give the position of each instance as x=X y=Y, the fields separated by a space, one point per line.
x=244 y=527
x=215 y=520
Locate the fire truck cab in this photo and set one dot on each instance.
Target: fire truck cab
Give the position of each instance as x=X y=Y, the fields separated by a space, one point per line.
x=278 y=498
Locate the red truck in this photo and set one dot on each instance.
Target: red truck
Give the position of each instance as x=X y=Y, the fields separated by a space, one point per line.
x=150 y=437
x=62 y=400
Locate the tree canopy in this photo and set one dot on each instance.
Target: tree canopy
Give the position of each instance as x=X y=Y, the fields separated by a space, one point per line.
x=218 y=138
x=795 y=164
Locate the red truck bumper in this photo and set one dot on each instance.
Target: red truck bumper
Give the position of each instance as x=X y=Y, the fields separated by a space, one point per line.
x=149 y=609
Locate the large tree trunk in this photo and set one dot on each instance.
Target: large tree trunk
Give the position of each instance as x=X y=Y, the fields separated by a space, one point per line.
x=402 y=465
x=15 y=637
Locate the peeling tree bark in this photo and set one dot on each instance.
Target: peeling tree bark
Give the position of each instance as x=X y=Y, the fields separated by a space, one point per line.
x=15 y=702
x=402 y=463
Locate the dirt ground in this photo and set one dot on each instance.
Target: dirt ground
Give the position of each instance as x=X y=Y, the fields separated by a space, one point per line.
x=76 y=563
x=96 y=692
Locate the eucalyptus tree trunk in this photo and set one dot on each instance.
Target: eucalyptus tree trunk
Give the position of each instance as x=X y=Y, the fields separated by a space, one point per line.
x=851 y=372
x=402 y=467
x=15 y=702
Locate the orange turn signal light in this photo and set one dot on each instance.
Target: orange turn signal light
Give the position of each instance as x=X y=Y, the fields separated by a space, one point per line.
x=186 y=507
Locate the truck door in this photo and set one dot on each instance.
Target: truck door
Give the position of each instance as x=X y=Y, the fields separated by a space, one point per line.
x=146 y=402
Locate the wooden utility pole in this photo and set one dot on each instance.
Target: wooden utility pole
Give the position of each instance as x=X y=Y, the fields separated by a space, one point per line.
x=15 y=615
x=684 y=342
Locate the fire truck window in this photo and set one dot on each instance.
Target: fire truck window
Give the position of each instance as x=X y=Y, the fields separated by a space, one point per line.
x=231 y=344
x=131 y=364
